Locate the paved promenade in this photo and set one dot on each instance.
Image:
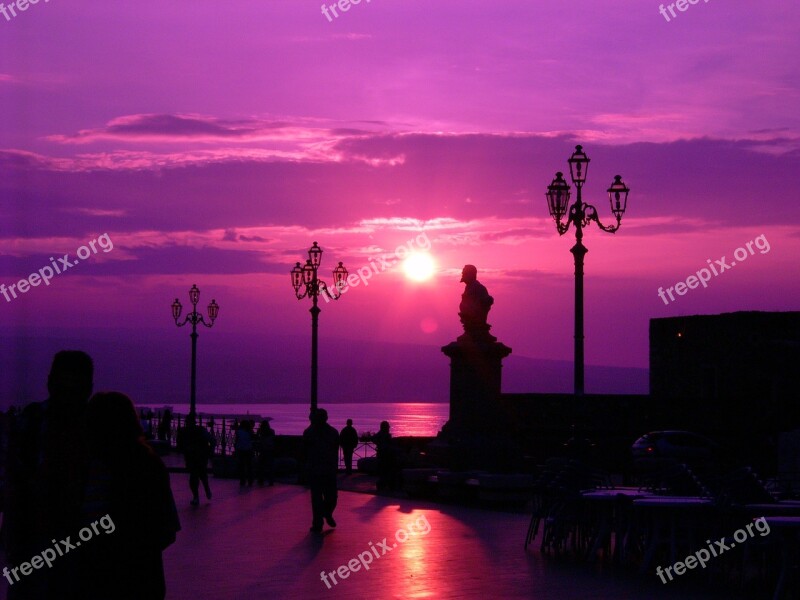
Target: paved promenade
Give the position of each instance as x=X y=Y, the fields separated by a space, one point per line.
x=256 y=544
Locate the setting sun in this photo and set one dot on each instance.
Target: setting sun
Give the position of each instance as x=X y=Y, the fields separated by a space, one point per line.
x=419 y=266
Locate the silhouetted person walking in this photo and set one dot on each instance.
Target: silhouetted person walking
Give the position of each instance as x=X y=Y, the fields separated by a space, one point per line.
x=46 y=477
x=266 y=453
x=197 y=446
x=384 y=446
x=129 y=493
x=348 y=439
x=321 y=443
x=243 y=445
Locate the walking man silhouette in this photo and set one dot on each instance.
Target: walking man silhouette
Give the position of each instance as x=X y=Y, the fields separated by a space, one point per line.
x=321 y=443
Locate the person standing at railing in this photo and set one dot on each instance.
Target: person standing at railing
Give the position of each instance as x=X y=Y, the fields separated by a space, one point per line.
x=165 y=425
x=243 y=446
x=197 y=446
x=387 y=459
x=266 y=453
x=348 y=440
x=144 y=420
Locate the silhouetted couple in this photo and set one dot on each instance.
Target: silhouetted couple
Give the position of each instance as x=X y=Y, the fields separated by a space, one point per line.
x=75 y=463
x=321 y=444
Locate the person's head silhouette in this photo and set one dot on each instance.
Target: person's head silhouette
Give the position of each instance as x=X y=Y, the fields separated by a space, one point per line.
x=112 y=422
x=469 y=274
x=71 y=379
x=321 y=416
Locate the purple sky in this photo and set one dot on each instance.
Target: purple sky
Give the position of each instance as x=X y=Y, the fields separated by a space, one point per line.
x=214 y=142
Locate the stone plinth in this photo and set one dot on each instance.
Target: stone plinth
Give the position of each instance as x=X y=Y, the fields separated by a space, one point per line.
x=475 y=376
x=477 y=425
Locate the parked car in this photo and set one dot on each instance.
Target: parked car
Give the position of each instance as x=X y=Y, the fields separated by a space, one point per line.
x=659 y=447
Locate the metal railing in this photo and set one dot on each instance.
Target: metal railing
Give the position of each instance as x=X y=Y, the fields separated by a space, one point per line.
x=364 y=449
x=223 y=429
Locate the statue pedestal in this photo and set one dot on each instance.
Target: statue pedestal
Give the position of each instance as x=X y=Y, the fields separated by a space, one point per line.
x=475 y=375
x=476 y=424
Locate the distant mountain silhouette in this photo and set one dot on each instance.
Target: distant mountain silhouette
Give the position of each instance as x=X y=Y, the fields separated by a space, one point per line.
x=523 y=374
x=240 y=368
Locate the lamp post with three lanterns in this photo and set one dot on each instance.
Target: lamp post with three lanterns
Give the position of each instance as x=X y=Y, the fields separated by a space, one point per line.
x=580 y=215
x=307 y=284
x=194 y=318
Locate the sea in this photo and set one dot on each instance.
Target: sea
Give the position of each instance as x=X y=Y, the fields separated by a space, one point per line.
x=405 y=418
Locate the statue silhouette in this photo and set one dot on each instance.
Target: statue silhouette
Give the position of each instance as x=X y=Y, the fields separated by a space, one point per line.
x=475 y=304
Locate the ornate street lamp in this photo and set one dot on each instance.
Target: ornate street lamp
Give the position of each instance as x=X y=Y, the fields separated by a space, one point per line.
x=194 y=318
x=307 y=284
x=580 y=215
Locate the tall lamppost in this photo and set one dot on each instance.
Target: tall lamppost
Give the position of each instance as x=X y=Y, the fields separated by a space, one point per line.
x=194 y=318
x=307 y=284
x=580 y=215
